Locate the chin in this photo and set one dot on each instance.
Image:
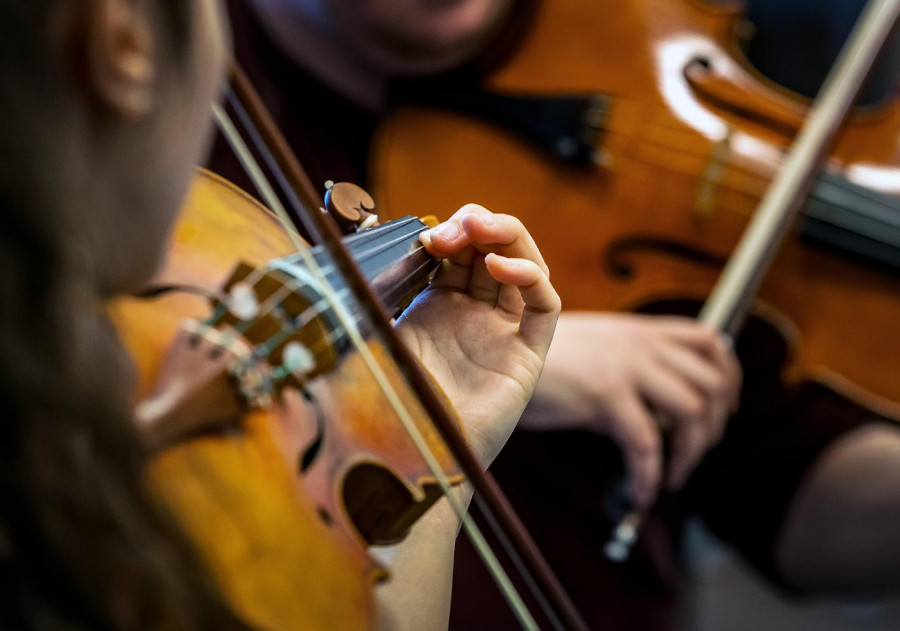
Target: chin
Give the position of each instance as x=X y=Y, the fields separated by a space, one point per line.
x=430 y=40
x=420 y=57
x=463 y=23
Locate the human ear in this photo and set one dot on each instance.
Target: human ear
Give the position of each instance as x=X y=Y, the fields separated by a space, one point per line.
x=118 y=54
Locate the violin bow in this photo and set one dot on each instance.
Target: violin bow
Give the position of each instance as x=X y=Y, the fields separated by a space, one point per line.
x=296 y=185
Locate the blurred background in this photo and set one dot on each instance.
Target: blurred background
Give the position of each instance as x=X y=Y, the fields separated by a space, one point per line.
x=721 y=593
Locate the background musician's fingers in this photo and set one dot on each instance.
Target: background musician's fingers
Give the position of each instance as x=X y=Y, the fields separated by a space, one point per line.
x=717 y=421
x=705 y=374
x=671 y=392
x=711 y=378
x=684 y=329
x=731 y=367
x=716 y=348
x=711 y=343
x=635 y=432
x=689 y=442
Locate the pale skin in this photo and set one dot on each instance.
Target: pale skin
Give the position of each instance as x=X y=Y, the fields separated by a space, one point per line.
x=482 y=329
x=484 y=325
x=651 y=372
x=493 y=284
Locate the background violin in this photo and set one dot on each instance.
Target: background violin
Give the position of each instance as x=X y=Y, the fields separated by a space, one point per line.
x=672 y=140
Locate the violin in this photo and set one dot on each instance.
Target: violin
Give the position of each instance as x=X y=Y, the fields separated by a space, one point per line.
x=317 y=462
x=639 y=148
x=664 y=144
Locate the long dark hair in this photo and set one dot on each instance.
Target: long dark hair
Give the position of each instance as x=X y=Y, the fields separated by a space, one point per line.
x=82 y=542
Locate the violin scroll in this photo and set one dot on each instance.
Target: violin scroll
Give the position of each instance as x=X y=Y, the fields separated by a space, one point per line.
x=351 y=206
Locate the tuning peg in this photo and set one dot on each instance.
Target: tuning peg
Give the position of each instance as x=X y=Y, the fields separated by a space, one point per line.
x=351 y=206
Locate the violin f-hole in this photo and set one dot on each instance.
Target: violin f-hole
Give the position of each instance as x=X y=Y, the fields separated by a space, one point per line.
x=310 y=454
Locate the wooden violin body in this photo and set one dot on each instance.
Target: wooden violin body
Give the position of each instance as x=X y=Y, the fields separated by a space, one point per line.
x=689 y=142
x=285 y=540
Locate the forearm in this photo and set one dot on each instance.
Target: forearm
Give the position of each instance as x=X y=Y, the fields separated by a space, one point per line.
x=417 y=596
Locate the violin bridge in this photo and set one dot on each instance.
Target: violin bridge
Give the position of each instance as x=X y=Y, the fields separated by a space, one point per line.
x=711 y=179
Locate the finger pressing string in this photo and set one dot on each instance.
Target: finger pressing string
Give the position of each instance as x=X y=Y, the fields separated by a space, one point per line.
x=689 y=441
x=486 y=232
x=636 y=433
x=447 y=241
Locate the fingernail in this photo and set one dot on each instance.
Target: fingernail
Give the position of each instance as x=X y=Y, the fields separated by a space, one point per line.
x=447 y=231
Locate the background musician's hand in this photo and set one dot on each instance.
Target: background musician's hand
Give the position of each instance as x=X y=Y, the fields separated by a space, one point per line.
x=484 y=325
x=640 y=373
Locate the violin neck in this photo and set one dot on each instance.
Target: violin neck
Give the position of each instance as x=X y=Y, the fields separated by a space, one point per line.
x=394 y=261
x=730 y=300
x=391 y=257
x=852 y=219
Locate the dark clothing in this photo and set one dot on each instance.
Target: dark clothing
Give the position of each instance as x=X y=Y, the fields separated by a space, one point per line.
x=10 y=614
x=795 y=44
x=559 y=481
x=329 y=134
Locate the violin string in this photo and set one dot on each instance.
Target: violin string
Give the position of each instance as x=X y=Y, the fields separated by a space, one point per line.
x=375 y=249
x=222 y=309
x=727 y=304
x=499 y=575
x=308 y=315
x=241 y=327
x=757 y=173
x=292 y=326
x=264 y=349
x=295 y=285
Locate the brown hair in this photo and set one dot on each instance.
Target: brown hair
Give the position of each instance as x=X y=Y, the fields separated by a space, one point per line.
x=87 y=547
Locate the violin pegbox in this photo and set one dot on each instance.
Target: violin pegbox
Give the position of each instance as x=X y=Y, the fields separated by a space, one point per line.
x=284 y=311
x=285 y=322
